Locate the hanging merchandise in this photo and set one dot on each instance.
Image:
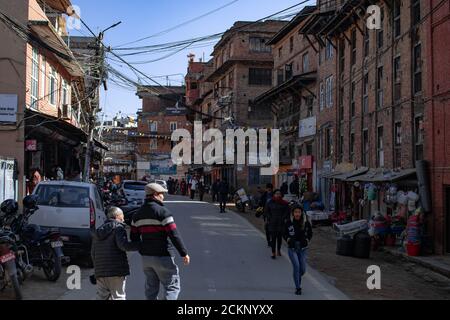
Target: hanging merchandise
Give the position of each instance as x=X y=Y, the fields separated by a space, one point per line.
x=412 y=200
x=391 y=194
x=402 y=198
x=371 y=192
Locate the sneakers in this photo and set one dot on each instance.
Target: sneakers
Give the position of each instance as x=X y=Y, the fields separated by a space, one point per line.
x=298 y=292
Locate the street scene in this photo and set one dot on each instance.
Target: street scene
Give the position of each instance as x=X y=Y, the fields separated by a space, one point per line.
x=224 y=151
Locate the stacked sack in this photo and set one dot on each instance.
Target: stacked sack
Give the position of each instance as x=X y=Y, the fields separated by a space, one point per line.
x=414 y=228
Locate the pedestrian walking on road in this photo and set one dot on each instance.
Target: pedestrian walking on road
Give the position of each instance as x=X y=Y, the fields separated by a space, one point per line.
x=277 y=213
x=153 y=224
x=194 y=185
x=183 y=187
x=109 y=247
x=294 y=187
x=224 y=190
x=215 y=190
x=298 y=234
x=201 y=190
x=266 y=197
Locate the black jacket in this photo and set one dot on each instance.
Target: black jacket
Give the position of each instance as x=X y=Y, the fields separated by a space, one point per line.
x=295 y=233
x=224 y=188
x=153 y=224
x=294 y=188
x=276 y=215
x=109 y=246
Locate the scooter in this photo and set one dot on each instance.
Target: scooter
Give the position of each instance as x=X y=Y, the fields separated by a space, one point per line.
x=10 y=276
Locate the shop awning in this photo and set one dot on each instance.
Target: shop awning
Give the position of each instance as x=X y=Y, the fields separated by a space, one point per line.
x=344 y=176
x=384 y=176
x=100 y=145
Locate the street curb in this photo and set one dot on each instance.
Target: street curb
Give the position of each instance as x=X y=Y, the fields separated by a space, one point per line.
x=441 y=270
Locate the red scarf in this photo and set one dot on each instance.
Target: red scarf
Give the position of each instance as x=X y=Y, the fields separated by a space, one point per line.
x=280 y=201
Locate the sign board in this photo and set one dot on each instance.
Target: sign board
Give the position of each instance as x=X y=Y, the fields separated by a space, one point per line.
x=8 y=108
x=305 y=162
x=165 y=167
x=7 y=182
x=31 y=145
x=307 y=127
x=143 y=165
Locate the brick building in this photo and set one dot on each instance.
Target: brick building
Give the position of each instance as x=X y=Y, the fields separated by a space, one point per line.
x=293 y=99
x=243 y=66
x=162 y=112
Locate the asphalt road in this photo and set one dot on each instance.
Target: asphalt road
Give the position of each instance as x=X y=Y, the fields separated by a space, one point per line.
x=229 y=261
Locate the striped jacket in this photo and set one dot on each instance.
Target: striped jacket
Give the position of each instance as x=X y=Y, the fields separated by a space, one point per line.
x=153 y=225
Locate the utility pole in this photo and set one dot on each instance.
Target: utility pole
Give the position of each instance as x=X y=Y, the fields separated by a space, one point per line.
x=99 y=74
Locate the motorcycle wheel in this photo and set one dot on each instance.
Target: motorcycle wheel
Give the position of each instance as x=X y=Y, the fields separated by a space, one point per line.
x=52 y=265
x=16 y=286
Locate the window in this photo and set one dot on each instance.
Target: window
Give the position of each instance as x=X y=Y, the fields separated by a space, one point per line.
x=415 y=12
x=380 y=147
x=329 y=91
x=280 y=76
x=397 y=145
x=305 y=61
x=417 y=68
x=153 y=126
x=259 y=76
x=153 y=144
x=329 y=50
x=341 y=148
x=280 y=52
x=365 y=149
x=342 y=56
x=43 y=77
x=352 y=147
x=288 y=71
x=352 y=100
x=173 y=126
x=341 y=104
x=380 y=87
x=291 y=44
x=63 y=196
x=366 y=42
x=34 y=79
x=194 y=85
x=65 y=93
x=259 y=45
x=353 y=47
x=53 y=86
x=309 y=106
x=309 y=149
x=397 y=80
x=419 y=137
x=397 y=24
x=366 y=93
x=328 y=147
x=322 y=96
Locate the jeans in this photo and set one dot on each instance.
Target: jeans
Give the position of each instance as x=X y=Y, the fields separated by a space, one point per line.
x=161 y=270
x=268 y=236
x=223 y=201
x=276 y=241
x=298 y=260
x=192 y=194
x=111 y=288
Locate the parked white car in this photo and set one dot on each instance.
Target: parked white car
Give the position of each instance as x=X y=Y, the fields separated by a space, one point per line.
x=134 y=191
x=76 y=208
x=160 y=182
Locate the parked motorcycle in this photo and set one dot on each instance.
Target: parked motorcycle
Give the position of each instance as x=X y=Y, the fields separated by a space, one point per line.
x=9 y=276
x=43 y=249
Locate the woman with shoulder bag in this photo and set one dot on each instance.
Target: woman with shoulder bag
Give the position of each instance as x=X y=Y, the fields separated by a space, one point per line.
x=298 y=233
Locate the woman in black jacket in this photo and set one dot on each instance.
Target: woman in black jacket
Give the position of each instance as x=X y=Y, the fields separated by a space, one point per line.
x=276 y=213
x=298 y=233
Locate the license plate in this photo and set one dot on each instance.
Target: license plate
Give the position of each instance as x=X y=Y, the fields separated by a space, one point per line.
x=57 y=244
x=7 y=257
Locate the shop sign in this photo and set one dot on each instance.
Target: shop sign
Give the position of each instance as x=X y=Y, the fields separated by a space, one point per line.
x=143 y=165
x=8 y=108
x=305 y=162
x=165 y=167
x=307 y=127
x=327 y=166
x=31 y=145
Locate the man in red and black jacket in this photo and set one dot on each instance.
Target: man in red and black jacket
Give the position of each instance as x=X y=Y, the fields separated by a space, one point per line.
x=153 y=225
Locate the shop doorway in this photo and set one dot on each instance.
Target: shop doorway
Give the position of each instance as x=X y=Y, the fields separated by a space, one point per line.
x=447 y=218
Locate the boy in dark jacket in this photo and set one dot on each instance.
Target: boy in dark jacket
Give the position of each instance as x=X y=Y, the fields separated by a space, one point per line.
x=298 y=233
x=109 y=247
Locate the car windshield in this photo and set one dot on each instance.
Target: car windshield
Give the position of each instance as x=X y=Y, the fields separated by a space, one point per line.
x=63 y=196
x=137 y=186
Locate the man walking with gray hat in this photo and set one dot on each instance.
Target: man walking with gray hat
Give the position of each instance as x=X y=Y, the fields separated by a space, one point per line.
x=153 y=225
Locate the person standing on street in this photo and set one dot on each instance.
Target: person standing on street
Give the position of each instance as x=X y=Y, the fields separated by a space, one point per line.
x=109 y=247
x=224 y=190
x=215 y=190
x=201 y=190
x=153 y=224
x=294 y=187
x=194 y=184
x=277 y=213
x=298 y=234
x=284 y=188
x=183 y=187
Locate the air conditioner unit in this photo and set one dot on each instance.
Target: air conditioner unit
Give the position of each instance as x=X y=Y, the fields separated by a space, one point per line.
x=65 y=112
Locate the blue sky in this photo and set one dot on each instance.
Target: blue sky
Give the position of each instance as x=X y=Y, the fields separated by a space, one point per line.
x=141 y=18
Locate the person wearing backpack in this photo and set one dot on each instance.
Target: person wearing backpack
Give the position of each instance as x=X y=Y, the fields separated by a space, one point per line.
x=298 y=233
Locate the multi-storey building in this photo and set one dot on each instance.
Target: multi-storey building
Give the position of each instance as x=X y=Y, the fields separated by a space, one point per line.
x=41 y=84
x=293 y=99
x=162 y=113
x=243 y=65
